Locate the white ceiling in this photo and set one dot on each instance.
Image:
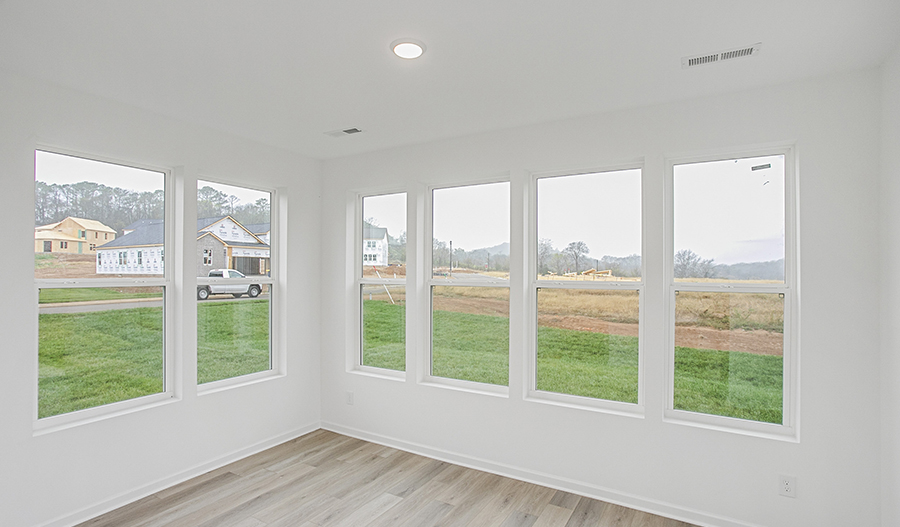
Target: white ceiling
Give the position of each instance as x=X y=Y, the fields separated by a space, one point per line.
x=283 y=72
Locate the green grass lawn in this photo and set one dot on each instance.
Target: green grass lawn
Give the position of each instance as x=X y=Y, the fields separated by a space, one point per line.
x=587 y=364
x=384 y=335
x=597 y=365
x=91 y=359
x=89 y=294
x=470 y=347
x=232 y=339
x=729 y=383
x=95 y=358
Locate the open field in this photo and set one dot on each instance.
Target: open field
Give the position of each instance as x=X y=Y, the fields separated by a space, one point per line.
x=593 y=364
x=100 y=357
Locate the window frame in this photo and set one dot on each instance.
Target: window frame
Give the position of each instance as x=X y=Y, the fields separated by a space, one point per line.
x=535 y=284
x=359 y=259
x=788 y=430
x=425 y=295
x=274 y=280
x=166 y=282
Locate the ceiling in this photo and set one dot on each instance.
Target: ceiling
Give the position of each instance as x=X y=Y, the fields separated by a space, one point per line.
x=284 y=72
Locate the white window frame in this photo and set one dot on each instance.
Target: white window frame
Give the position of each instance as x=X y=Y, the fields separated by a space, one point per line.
x=425 y=296
x=361 y=259
x=789 y=429
x=166 y=282
x=561 y=399
x=277 y=290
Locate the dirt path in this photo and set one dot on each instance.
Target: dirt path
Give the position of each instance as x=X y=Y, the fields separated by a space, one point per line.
x=759 y=342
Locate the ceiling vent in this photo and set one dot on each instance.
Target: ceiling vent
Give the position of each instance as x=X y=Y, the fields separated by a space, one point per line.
x=342 y=133
x=719 y=56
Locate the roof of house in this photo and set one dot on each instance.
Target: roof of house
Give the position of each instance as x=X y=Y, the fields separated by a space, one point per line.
x=48 y=235
x=149 y=234
x=89 y=225
x=371 y=232
x=141 y=223
x=258 y=228
x=153 y=233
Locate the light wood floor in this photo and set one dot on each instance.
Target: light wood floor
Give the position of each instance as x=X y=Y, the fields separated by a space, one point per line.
x=326 y=479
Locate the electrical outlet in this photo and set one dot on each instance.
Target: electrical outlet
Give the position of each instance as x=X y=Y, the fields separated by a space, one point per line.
x=787 y=486
x=350 y=398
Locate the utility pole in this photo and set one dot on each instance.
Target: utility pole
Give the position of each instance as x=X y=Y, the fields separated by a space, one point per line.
x=451 y=258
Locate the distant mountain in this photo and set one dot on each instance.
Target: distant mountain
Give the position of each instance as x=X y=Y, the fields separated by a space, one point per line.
x=771 y=270
x=503 y=248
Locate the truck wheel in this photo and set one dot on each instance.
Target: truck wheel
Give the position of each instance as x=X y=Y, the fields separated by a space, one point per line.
x=202 y=293
x=253 y=291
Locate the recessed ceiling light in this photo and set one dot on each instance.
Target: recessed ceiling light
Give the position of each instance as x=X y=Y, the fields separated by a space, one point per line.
x=407 y=48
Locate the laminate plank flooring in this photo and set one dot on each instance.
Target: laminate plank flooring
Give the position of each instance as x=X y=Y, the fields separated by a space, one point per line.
x=324 y=479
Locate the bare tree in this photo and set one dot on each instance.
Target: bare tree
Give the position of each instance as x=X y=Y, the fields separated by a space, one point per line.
x=689 y=264
x=545 y=249
x=576 y=250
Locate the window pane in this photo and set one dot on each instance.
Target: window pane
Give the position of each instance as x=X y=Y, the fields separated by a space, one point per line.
x=589 y=226
x=232 y=337
x=472 y=222
x=587 y=343
x=98 y=346
x=233 y=229
x=384 y=326
x=233 y=309
x=729 y=220
x=384 y=236
x=470 y=334
x=95 y=219
x=728 y=354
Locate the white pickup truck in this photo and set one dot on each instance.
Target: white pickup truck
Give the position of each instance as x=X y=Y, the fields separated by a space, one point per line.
x=236 y=290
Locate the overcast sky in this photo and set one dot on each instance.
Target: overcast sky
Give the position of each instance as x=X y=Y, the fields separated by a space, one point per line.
x=62 y=169
x=729 y=212
x=244 y=195
x=602 y=210
x=473 y=217
x=723 y=210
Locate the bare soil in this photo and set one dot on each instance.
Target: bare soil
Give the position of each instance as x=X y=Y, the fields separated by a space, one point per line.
x=759 y=342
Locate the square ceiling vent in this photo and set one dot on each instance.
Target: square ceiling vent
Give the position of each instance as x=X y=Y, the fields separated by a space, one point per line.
x=720 y=56
x=342 y=133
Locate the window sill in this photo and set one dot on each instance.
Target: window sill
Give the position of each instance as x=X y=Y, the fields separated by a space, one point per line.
x=586 y=403
x=379 y=373
x=238 y=382
x=56 y=423
x=732 y=425
x=479 y=388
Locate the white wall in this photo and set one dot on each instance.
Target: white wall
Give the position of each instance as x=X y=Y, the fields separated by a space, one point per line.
x=890 y=291
x=65 y=476
x=704 y=476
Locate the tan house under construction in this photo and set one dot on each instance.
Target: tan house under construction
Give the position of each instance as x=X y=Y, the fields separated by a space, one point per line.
x=72 y=235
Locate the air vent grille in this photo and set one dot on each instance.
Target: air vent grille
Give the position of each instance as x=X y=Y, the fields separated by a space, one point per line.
x=719 y=56
x=342 y=133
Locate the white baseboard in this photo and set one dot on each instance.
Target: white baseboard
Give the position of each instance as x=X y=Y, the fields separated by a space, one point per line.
x=632 y=501
x=135 y=494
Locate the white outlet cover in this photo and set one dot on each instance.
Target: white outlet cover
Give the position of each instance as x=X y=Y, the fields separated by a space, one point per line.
x=787 y=485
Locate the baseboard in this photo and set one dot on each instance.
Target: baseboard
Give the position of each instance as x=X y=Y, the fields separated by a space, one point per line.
x=640 y=503
x=135 y=494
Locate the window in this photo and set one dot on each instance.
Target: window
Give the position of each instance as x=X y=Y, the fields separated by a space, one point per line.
x=101 y=336
x=382 y=283
x=63 y=245
x=731 y=288
x=469 y=283
x=207 y=257
x=588 y=286
x=234 y=313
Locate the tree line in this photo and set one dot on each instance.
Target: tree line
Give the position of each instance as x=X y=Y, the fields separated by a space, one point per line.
x=117 y=207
